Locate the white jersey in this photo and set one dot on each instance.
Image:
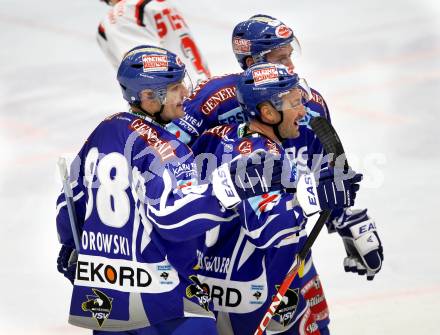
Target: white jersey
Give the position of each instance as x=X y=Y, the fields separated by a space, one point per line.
x=130 y=23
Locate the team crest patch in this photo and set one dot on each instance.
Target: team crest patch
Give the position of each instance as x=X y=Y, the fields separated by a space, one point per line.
x=264 y=75
x=100 y=305
x=287 y=308
x=241 y=46
x=154 y=63
x=200 y=291
x=179 y=61
x=245 y=147
x=283 y=31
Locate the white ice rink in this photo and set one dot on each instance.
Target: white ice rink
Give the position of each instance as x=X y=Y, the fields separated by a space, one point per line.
x=377 y=63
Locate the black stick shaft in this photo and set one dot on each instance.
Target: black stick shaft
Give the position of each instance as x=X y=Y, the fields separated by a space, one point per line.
x=323 y=217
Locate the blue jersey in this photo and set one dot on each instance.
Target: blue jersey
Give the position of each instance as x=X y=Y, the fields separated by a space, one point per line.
x=214 y=102
x=140 y=214
x=237 y=268
x=243 y=261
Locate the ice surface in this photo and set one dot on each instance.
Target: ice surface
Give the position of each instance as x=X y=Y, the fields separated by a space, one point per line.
x=377 y=63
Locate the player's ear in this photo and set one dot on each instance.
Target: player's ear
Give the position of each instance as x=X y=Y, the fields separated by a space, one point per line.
x=249 y=61
x=269 y=114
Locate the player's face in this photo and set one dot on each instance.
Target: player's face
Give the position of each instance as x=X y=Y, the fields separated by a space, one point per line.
x=293 y=112
x=149 y=101
x=173 y=109
x=282 y=55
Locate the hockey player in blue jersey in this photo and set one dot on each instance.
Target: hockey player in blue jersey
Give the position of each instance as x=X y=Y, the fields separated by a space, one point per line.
x=242 y=263
x=264 y=38
x=140 y=212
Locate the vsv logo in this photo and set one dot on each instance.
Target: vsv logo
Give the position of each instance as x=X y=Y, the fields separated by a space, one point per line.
x=100 y=305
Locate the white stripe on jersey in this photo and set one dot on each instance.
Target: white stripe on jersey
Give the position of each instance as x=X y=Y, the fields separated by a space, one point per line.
x=62 y=204
x=203 y=216
x=288 y=232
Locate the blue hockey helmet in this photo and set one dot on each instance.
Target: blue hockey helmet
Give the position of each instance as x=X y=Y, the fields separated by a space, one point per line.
x=267 y=82
x=259 y=35
x=149 y=67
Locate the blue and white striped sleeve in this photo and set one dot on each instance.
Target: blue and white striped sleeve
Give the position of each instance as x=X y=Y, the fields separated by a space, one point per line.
x=271 y=218
x=64 y=229
x=183 y=210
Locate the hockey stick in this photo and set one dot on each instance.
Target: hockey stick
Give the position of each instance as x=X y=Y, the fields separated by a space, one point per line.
x=332 y=145
x=64 y=174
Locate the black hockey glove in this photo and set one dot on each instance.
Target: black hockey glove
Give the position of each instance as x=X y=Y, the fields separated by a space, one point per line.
x=66 y=262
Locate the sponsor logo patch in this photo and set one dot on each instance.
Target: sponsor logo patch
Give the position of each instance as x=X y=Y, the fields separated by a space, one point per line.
x=186 y=169
x=314 y=294
x=151 y=137
x=257 y=292
x=269 y=201
x=220 y=131
x=226 y=296
x=124 y=275
x=241 y=46
x=219 y=97
x=154 y=63
x=307 y=325
x=234 y=116
x=265 y=75
x=119 y=276
x=215 y=264
x=100 y=305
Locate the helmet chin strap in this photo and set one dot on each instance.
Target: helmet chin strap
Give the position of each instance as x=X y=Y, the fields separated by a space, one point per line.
x=155 y=116
x=275 y=127
x=276 y=130
x=261 y=57
x=158 y=116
